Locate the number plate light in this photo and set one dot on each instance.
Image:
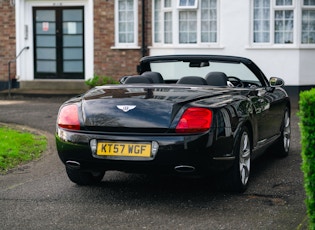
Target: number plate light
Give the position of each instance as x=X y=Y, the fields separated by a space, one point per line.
x=155 y=148
x=93 y=145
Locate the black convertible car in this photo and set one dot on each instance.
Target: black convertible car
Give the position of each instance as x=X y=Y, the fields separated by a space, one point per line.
x=185 y=114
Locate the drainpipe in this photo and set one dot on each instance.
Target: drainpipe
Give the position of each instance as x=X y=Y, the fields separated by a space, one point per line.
x=143 y=46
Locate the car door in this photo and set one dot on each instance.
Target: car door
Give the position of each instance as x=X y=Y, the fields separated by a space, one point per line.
x=268 y=109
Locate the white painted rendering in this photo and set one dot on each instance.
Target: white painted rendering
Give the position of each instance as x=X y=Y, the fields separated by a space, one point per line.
x=307 y=67
x=295 y=63
x=24 y=35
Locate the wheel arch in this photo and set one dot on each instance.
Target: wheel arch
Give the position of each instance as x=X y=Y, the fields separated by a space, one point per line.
x=248 y=124
x=249 y=127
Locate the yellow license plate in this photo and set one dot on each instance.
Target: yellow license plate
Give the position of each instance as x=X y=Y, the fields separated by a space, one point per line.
x=123 y=149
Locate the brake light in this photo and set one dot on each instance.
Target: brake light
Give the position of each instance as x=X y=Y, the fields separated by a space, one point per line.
x=195 y=120
x=68 y=117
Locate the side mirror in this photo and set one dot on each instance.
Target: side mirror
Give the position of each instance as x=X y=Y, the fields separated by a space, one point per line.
x=275 y=81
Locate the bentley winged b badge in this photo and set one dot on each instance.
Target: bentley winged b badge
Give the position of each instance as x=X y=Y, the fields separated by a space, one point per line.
x=126 y=108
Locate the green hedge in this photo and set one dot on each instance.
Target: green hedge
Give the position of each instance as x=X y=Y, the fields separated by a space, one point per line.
x=307 y=128
x=100 y=80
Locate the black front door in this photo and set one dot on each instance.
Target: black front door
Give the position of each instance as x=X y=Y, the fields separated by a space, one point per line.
x=58 y=43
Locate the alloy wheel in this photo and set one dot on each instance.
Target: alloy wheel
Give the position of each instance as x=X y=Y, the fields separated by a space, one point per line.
x=286 y=132
x=244 y=159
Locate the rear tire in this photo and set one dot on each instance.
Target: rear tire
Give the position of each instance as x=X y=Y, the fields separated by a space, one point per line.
x=83 y=177
x=236 y=179
x=282 y=146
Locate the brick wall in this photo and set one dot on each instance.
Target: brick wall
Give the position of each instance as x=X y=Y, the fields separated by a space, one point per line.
x=7 y=38
x=116 y=62
x=107 y=61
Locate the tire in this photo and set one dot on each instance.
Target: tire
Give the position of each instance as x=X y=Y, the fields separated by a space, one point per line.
x=83 y=177
x=237 y=178
x=282 y=146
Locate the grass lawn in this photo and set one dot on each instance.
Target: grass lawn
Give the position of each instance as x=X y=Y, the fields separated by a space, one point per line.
x=18 y=147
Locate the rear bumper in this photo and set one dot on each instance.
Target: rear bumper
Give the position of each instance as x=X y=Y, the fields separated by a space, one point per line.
x=189 y=154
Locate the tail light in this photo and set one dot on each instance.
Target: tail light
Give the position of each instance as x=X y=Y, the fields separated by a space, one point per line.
x=195 y=120
x=68 y=117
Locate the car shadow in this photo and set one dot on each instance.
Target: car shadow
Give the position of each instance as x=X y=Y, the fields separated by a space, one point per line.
x=168 y=189
x=120 y=187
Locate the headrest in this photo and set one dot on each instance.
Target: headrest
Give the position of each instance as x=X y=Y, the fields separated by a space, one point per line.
x=216 y=79
x=156 y=77
x=138 y=79
x=192 y=80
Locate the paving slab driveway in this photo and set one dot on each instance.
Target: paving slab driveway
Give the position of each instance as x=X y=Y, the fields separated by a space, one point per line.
x=39 y=195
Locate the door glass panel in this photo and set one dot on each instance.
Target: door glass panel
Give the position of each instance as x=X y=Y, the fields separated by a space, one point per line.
x=72 y=53
x=73 y=66
x=45 y=28
x=46 y=53
x=72 y=28
x=72 y=15
x=45 y=41
x=72 y=40
x=46 y=15
x=46 y=66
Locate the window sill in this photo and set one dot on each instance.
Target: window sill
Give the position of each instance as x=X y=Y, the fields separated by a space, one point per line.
x=190 y=47
x=279 y=47
x=125 y=47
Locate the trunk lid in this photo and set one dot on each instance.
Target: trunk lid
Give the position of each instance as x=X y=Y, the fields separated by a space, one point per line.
x=138 y=108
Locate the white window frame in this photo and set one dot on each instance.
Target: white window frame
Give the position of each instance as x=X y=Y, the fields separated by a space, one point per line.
x=273 y=9
x=294 y=29
x=305 y=7
x=187 y=6
x=125 y=45
x=175 y=9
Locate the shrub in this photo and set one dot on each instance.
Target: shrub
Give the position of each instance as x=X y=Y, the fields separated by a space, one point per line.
x=100 y=80
x=307 y=128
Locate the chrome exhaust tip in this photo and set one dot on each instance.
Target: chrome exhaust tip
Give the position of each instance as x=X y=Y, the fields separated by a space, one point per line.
x=73 y=164
x=184 y=168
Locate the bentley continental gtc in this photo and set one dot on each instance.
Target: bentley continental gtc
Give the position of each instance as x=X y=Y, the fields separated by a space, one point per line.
x=183 y=114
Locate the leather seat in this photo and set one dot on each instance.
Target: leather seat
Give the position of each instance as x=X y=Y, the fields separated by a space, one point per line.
x=192 y=80
x=156 y=77
x=138 y=79
x=216 y=79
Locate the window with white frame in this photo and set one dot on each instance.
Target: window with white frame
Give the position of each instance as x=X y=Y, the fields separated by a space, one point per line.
x=273 y=21
x=126 y=23
x=283 y=22
x=261 y=21
x=192 y=4
x=308 y=22
x=183 y=22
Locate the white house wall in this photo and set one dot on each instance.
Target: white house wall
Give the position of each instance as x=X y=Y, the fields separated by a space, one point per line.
x=278 y=63
x=294 y=64
x=307 y=67
x=24 y=34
